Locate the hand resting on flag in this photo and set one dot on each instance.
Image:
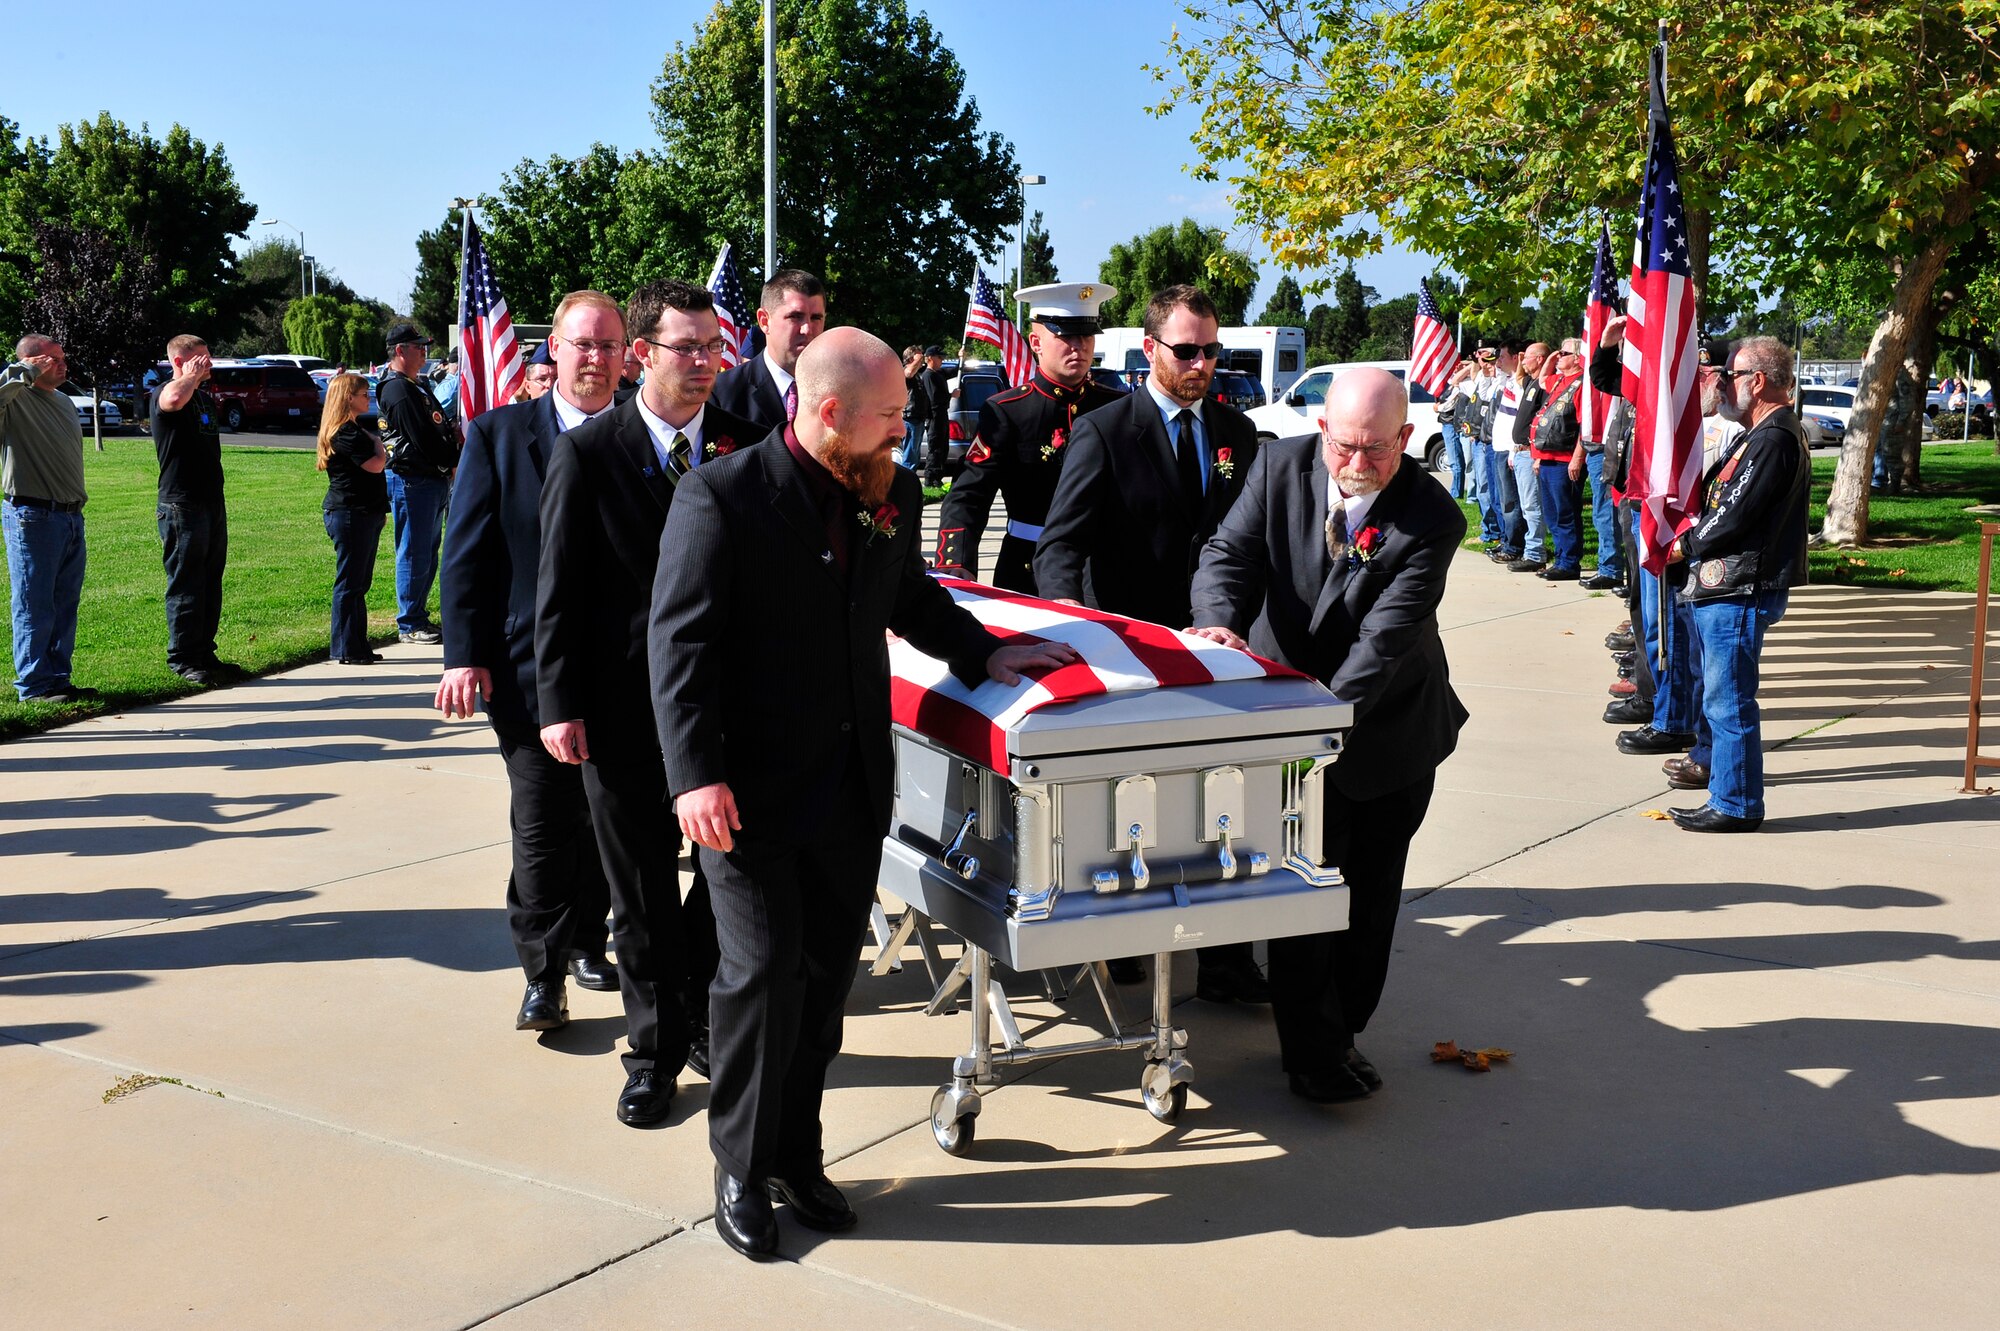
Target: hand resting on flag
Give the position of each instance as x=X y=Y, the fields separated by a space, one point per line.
x=1005 y=666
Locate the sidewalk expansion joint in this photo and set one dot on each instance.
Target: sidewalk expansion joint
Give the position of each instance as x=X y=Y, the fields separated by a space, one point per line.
x=584 y=1274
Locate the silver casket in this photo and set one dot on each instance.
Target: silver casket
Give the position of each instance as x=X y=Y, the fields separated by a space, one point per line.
x=1172 y=806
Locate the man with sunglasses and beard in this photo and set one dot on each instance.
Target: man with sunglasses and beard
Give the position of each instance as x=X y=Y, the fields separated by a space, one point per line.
x=782 y=566
x=1334 y=563
x=1147 y=481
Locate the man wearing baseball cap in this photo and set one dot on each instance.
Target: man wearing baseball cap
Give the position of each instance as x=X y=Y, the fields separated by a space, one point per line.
x=423 y=451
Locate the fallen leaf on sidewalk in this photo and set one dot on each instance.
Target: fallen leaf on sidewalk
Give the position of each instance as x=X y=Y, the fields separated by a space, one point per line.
x=1444 y=1051
x=1569 y=633
x=1478 y=1060
x=1657 y=815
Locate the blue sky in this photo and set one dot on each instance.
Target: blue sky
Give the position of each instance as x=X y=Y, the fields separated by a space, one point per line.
x=347 y=124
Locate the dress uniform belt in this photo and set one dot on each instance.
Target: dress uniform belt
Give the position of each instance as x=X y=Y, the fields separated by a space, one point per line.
x=1023 y=531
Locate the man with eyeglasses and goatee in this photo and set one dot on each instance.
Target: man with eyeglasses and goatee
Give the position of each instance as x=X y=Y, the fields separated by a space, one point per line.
x=1147 y=481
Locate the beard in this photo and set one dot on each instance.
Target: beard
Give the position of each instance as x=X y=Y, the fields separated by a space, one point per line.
x=1357 y=481
x=1188 y=387
x=1729 y=409
x=1711 y=399
x=866 y=477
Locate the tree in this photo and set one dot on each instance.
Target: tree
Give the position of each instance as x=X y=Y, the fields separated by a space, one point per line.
x=96 y=299
x=344 y=332
x=564 y=225
x=434 y=296
x=1351 y=298
x=271 y=266
x=1287 y=306
x=1040 y=266
x=887 y=186
x=177 y=193
x=1187 y=252
x=1801 y=128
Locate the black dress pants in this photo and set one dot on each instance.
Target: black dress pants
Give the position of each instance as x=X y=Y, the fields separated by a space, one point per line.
x=640 y=845
x=789 y=919
x=556 y=894
x=1324 y=987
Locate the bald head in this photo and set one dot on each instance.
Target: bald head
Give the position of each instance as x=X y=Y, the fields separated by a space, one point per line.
x=1365 y=429
x=841 y=366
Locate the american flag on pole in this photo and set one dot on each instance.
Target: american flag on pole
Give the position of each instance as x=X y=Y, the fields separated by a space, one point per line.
x=1432 y=350
x=1665 y=466
x=732 y=311
x=489 y=360
x=1119 y=656
x=1597 y=311
x=984 y=322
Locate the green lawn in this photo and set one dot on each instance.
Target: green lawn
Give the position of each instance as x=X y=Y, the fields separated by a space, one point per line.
x=277 y=594
x=1924 y=540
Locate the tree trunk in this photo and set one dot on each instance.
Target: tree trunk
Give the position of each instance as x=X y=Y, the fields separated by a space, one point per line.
x=1847 y=504
x=1903 y=427
x=1699 y=221
x=97 y=417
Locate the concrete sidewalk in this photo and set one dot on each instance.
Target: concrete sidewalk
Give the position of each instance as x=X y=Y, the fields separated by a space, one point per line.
x=1756 y=1079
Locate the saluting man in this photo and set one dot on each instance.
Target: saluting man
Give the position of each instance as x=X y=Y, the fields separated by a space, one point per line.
x=1023 y=434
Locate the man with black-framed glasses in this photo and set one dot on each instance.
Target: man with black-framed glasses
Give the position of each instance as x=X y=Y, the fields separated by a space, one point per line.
x=1147 y=481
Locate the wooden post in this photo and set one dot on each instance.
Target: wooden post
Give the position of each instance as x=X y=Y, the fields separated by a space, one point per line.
x=1974 y=759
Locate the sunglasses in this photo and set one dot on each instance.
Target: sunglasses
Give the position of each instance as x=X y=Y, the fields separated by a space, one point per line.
x=1194 y=351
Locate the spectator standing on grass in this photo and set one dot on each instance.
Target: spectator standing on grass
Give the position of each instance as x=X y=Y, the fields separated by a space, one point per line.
x=916 y=408
x=41 y=470
x=357 y=504
x=194 y=521
x=423 y=453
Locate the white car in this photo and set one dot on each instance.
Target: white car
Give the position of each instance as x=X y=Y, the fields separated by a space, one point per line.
x=1828 y=407
x=1299 y=408
x=108 y=414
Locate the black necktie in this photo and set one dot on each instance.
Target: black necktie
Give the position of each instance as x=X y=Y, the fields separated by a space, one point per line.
x=1185 y=462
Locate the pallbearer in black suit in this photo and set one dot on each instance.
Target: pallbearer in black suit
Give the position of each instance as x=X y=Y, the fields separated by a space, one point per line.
x=1147 y=481
x=792 y=312
x=556 y=896
x=1334 y=563
x=1023 y=435
x=783 y=565
x=604 y=504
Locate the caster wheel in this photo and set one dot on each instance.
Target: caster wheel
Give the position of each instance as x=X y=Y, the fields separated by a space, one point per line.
x=1165 y=1098
x=953 y=1131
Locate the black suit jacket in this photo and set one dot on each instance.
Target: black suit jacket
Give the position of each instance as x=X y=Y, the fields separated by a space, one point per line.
x=769 y=667
x=604 y=503
x=749 y=391
x=1367 y=630
x=1119 y=534
x=492 y=550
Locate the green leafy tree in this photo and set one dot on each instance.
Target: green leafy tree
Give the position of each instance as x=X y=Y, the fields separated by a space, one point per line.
x=314 y=327
x=1185 y=252
x=434 y=296
x=176 y=195
x=97 y=300
x=271 y=266
x=1040 y=266
x=559 y=226
x=887 y=184
x=1287 y=306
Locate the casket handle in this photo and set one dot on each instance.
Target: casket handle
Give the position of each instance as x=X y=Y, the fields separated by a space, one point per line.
x=1225 y=857
x=955 y=858
x=1141 y=875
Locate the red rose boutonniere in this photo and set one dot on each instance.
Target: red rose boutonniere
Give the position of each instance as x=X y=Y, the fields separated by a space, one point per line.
x=882 y=522
x=1367 y=542
x=1054 y=445
x=1225 y=463
x=719 y=448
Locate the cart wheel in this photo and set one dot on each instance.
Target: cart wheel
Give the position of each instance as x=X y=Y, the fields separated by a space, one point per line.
x=954 y=1131
x=1165 y=1097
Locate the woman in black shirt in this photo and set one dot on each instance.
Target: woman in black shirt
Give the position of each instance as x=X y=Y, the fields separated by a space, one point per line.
x=357 y=501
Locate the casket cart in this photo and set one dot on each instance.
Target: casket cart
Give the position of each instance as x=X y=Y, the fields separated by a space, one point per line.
x=1165 y=795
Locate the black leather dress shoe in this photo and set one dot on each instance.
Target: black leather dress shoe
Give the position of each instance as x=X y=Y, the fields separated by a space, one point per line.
x=1686 y=774
x=196 y=675
x=594 y=973
x=544 y=1007
x=743 y=1216
x=645 y=1099
x=1332 y=1087
x=1557 y=573
x=1708 y=818
x=1600 y=582
x=815 y=1202
x=1126 y=970
x=1618 y=642
x=1231 y=982
x=1648 y=740
x=1628 y=711
x=1527 y=565
x=1358 y=1064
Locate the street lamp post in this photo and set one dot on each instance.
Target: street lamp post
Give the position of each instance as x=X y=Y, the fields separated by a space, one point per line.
x=304 y=258
x=1021 y=269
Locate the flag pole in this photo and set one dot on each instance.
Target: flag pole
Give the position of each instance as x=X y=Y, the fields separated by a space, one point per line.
x=464 y=207
x=771 y=138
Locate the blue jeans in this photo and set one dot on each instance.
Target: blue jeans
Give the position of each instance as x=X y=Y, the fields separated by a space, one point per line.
x=1534 y=544
x=1486 y=492
x=910 y=453
x=419 y=503
x=45 y=561
x=1513 y=526
x=1732 y=630
x=1604 y=516
x=1454 y=458
x=194 y=545
x=1562 y=501
x=357 y=535
x=1676 y=705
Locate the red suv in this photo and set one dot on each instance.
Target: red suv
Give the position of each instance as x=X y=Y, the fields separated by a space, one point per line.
x=259 y=391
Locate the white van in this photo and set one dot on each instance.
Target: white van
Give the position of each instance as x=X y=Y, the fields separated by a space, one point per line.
x=1300 y=410
x=1273 y=356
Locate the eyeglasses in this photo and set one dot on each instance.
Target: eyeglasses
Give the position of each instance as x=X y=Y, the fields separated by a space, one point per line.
x=1374 y=452
x=585 y=347
x=689 y=350
x=1188 y=352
